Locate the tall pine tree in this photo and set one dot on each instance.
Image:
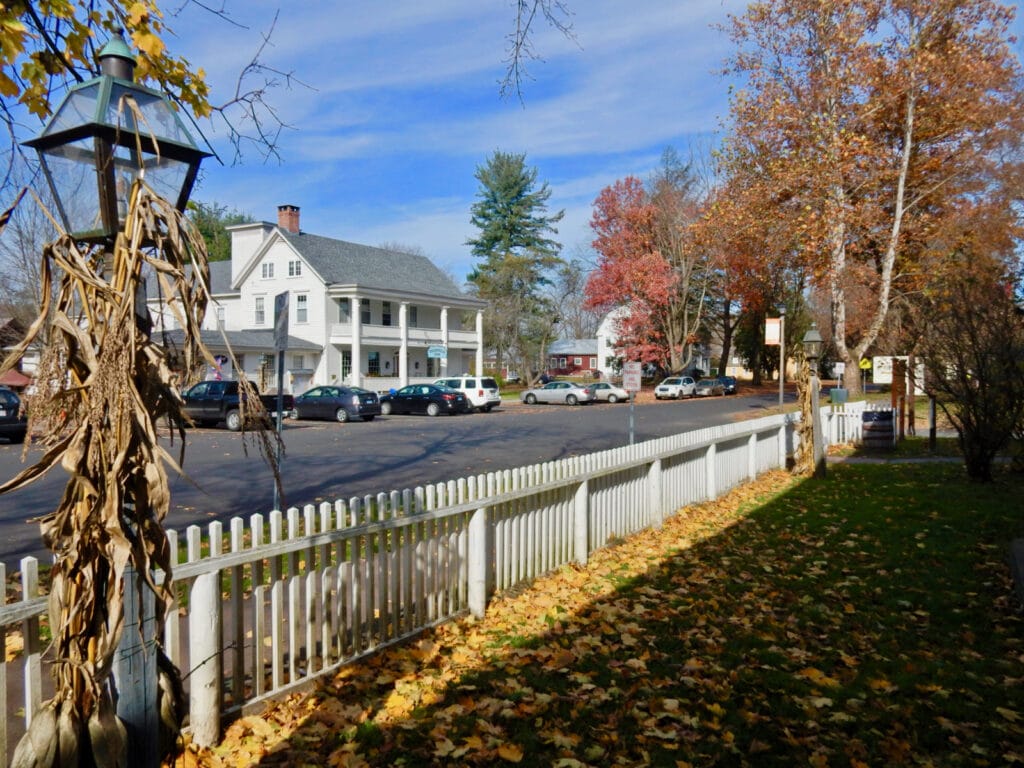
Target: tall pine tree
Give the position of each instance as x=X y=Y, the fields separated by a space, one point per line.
x=516 y=259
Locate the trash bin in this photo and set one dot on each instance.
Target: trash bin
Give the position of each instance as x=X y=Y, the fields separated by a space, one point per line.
x=838 y=395
x=877 y=430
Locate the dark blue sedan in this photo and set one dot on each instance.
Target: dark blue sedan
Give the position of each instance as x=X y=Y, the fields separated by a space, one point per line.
x=338 y=403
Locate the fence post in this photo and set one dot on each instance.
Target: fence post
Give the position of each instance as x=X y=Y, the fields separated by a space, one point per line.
x=710 y=485
x=752 y=456
x=135 y=673
x=30 y=637
x=204 y=632
x=581 y=522
x=654 y=497
x=477 y=555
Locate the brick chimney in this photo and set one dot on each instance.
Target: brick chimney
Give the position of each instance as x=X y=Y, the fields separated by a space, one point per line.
x=288 y=218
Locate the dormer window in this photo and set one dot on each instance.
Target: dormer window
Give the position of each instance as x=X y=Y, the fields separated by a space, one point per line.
x=268 y=270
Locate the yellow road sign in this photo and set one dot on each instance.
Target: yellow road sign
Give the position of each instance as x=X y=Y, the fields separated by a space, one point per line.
x=865 y=364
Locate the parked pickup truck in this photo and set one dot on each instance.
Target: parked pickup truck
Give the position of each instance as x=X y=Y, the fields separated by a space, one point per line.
x=210 y=402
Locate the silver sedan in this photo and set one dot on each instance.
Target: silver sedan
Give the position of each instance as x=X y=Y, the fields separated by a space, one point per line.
x=561 y=392
x=604 y=391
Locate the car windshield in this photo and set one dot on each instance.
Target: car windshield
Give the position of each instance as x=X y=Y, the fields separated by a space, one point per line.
x=671 y=381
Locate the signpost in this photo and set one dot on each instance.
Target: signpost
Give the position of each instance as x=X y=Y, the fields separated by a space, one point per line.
x=865 y=366
x=631 y=382
x=280 y=345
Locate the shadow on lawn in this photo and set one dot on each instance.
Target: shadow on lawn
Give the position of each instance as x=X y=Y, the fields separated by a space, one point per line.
x=863 y=620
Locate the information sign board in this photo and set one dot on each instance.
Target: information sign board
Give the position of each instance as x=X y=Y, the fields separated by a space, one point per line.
x=631 y=377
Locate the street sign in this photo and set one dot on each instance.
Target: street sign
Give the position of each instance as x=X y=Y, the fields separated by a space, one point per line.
x=281 y=322
x=865 y=364
x=437 y=352
x=631 y=377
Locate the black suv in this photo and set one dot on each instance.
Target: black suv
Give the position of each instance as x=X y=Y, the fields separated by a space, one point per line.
x=13 y=424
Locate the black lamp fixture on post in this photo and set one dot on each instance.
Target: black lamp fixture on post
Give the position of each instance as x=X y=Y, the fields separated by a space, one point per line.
x=97 y=144
x=812 y=351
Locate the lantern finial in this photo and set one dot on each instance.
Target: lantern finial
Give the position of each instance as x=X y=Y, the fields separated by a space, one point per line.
x=116 y=58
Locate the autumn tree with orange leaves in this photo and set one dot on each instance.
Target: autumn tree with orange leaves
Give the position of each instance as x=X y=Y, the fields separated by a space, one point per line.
x=870 y=122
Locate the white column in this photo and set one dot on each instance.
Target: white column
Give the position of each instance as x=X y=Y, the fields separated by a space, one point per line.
x=356 y=379
x=403 y=349
x=479 y=342
x=444 y=340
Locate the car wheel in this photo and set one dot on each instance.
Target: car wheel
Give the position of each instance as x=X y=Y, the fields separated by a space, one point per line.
x=385 y=409
x=613 y=399
x=571 y=400
x=531 y=399
x=487 y=408
x=433 y=409
x=233 y=421
x=341 y=415
x=19 y=438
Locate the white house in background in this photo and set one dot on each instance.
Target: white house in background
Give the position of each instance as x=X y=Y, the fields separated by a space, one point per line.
x=607 y=339
x=358 y=315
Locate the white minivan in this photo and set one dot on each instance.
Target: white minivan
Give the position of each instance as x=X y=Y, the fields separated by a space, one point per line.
x=482 y=392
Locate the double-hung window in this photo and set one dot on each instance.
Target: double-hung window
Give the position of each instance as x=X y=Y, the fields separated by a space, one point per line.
x=260 y=317
x=294 y=268
x=302 y=308
x=268 y=270
x=385 y=309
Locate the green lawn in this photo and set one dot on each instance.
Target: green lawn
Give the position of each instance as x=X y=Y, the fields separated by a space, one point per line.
x=864 y=620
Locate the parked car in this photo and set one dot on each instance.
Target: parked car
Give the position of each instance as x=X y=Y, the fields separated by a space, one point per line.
x=209 y=402
x=482 y=392
x=13 y=424
x=729 y=382
x=338 y=403
x=675 y=387
x=430 y=399
x=566 y=392
x=604 y=391
x=708 y=387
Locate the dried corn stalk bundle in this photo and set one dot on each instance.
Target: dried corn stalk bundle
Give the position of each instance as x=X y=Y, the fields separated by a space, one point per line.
x=104 y=386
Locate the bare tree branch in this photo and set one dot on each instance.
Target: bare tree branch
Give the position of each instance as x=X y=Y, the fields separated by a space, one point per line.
x=520 y=45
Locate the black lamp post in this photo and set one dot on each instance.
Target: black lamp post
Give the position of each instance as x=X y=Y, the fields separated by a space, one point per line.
x=96 y=145
x=812 y=351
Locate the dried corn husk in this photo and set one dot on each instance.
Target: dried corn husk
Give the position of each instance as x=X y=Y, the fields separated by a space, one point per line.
x=104 y=387
x=38 y=747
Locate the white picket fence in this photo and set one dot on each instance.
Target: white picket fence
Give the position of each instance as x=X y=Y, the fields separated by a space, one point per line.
x=310 y=589
x=844 y=423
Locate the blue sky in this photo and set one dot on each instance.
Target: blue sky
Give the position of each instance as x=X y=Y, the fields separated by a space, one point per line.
x=403 y=104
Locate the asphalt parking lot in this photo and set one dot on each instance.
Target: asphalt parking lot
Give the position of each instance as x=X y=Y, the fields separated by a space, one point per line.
x=325 y=461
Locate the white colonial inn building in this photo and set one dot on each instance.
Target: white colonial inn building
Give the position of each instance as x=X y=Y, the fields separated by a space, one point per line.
x=358 y=315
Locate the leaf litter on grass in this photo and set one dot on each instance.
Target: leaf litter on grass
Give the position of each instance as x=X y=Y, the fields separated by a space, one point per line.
x=788 y=622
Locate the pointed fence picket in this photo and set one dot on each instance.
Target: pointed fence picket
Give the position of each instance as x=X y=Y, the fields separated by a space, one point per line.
x=272 y=602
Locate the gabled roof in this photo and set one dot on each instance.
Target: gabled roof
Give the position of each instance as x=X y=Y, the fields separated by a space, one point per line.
x=256 y=340
x=573 y=347
x=220 y=280
x=342 y=263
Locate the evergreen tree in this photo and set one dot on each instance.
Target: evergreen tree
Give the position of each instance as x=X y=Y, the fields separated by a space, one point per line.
x=516 y=258
x=212 y=221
